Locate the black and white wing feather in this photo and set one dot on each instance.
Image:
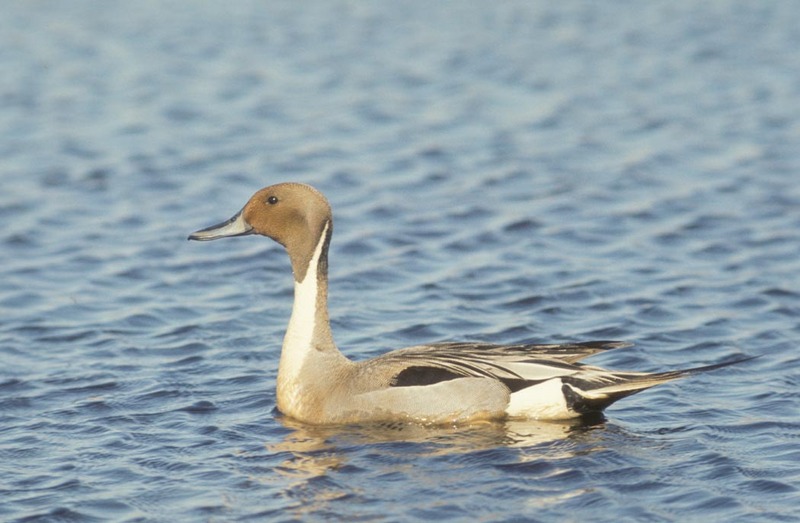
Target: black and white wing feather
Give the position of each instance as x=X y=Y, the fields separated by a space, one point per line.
x=516 y=366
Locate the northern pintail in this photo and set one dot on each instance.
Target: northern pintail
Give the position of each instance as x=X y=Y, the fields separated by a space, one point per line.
x=436 y=383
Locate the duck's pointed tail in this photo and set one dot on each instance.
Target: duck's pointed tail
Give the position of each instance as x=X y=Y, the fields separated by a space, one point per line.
x=586 y=397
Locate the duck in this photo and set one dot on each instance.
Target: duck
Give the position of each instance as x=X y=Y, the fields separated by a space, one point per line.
x=437 y=383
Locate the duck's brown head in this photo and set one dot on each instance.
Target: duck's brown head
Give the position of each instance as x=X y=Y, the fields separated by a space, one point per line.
x=293 y=214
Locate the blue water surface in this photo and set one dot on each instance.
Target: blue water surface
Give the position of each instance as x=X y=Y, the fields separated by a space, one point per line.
x=505 y=171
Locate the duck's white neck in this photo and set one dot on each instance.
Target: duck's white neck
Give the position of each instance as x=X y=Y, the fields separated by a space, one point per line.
x=309 y=329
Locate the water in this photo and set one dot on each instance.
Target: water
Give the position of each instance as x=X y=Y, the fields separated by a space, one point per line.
x=507 y=172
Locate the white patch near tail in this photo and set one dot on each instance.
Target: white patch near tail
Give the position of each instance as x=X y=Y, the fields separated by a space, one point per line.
x=544 y=401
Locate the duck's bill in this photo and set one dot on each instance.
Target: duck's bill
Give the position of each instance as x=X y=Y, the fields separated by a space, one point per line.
x=236 y=226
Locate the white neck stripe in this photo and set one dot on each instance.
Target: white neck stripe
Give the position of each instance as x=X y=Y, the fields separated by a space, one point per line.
x=302 y=324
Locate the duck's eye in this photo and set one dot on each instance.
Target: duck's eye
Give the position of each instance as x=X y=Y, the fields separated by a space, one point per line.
x=272 y=200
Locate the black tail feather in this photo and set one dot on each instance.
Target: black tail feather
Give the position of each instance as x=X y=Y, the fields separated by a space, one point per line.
x=596 y=400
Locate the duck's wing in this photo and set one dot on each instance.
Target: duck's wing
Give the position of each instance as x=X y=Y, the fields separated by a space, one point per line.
x=516 y=366
x=566 y=352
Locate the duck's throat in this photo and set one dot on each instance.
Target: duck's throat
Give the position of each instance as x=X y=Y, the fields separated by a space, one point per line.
x=309 y=329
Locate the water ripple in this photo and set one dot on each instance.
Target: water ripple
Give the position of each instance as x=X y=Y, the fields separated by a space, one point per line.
x=507 y=173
